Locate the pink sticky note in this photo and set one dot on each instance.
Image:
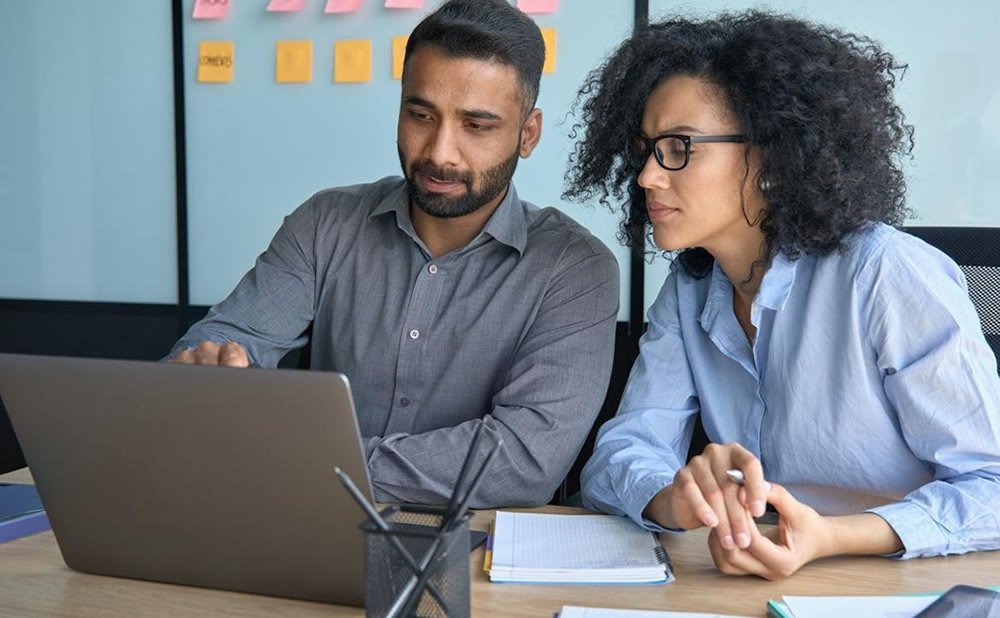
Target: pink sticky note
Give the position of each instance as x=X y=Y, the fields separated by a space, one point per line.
x=342 y=6
x=404 y=4
x=210 y=9
x=538 y=6
x=285 y=6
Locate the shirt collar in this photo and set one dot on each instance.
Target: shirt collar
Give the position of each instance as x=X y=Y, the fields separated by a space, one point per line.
x=507 y=225
x=777 y=282
x=774 y=289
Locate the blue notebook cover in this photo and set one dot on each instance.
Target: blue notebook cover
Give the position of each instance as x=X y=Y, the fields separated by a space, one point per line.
x=21 y=512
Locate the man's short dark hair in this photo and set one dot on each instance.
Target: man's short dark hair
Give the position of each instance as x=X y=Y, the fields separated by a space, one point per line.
x=488 y=30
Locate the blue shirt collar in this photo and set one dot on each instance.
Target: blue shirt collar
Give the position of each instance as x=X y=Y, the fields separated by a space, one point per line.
x=774 y=289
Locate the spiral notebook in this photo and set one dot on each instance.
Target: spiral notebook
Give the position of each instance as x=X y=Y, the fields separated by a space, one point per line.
x=583 y=549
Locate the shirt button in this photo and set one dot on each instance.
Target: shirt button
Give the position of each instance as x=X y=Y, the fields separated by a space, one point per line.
x=432 y=269
x=414 y=334
x=404 y=402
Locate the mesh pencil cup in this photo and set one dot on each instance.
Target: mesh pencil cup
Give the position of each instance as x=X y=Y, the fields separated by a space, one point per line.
x=439 y=586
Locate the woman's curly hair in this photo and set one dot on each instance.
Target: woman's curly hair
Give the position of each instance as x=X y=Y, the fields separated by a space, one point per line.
x=817 y=102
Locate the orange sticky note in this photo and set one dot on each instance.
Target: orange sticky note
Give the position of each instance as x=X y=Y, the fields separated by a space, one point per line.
x=215 y=61
x=398 y=55
x=549 y=36
x=210 y=9
x=293 y=62
x=538 y=6
x=285 y=6
x=352 y=61
x=404 y=4
x=342 y=6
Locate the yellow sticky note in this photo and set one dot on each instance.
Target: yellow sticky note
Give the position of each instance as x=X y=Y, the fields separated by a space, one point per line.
x=293 y=62
x=549 y=36
x=352 y=61
x=215 y=61
x=398 y=55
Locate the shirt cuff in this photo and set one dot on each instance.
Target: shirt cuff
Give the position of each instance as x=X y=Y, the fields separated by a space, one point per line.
x=919 y=533
x=639 y=496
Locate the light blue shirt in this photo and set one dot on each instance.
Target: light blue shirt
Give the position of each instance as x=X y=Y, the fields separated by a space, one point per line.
x=869 y=387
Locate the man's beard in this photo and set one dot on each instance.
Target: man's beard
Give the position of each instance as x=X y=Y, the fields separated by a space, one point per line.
x=492 y=182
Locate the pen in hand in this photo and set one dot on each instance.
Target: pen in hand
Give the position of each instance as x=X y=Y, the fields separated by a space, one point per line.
x=737 y=477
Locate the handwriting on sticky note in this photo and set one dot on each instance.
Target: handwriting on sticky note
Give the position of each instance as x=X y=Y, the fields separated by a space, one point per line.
x=538 y=6
x=398 y=55
x=285 y=6
x=293 y=62
x=215 y=61
x=404 y=4
x=210 y=9
x=352 y=61
x=549 y=36
x=342 y=6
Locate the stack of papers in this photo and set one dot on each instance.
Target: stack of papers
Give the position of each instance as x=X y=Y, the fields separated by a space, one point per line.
x=569 y=611
x=592 y=549
x=897 y=606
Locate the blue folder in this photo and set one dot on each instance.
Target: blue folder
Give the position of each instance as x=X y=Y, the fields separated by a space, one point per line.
x=21 y=512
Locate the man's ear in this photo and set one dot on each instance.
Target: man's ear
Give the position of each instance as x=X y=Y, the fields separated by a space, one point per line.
x=531 y=132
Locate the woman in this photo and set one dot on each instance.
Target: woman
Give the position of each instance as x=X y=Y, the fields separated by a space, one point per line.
x=834 y=360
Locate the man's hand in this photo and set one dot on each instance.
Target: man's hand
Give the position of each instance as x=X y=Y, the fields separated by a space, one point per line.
x=230 y=354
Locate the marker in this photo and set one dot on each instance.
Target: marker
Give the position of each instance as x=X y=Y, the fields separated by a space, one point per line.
x=736 y=476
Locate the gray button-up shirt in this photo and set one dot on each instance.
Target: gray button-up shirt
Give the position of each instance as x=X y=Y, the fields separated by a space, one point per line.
x=515 y=330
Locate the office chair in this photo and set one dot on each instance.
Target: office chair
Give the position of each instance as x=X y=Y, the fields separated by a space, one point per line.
x=977 y=252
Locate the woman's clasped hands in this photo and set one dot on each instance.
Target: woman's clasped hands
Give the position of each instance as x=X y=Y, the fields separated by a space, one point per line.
x=703 y=495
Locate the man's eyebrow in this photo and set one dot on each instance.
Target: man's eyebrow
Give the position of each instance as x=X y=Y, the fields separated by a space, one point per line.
x=481 y=114
x=415 y=100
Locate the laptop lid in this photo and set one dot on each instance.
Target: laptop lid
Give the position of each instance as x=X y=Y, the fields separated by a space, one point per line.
x=206 y=476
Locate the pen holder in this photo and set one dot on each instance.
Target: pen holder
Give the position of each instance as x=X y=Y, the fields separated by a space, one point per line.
x=390 y=581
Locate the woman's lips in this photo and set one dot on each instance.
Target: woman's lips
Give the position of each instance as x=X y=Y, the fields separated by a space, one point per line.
x=659 y=210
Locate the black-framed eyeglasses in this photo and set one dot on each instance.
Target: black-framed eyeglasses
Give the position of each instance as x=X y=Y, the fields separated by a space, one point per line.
x=673 y=151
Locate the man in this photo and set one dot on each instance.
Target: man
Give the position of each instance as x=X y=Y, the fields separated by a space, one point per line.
x=446 y=300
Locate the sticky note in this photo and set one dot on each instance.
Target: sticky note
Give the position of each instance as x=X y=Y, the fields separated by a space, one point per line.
x=210 y=9
x=398 y=55
x=549 y=36
x=285 y=6
x=404 y=4
x=293 y=62
x=215 y=61
x=352 y=61
x=342 y=6
x=538 y=6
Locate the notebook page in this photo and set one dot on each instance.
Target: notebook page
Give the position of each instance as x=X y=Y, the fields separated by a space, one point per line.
x=546 y=541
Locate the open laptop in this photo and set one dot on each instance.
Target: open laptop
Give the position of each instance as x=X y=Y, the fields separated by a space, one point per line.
x=206 y=476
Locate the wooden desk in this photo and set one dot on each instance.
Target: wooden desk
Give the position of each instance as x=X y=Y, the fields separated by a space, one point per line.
x=35 y=581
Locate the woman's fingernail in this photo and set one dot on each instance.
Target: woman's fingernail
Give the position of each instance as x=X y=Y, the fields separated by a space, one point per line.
x=727 y=542
x=758 y=508
x=743 y=539
x=710 y=519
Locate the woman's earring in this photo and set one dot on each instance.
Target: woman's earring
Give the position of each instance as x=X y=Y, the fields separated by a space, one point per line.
x=765 y=185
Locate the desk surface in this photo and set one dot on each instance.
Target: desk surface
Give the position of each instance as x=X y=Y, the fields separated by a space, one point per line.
x=35 y=581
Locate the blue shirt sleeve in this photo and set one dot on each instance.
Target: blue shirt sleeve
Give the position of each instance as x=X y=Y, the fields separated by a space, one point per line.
x=941 y=377
x=638 y=452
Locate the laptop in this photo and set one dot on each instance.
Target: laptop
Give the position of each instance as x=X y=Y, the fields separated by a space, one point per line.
x=205 y=476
